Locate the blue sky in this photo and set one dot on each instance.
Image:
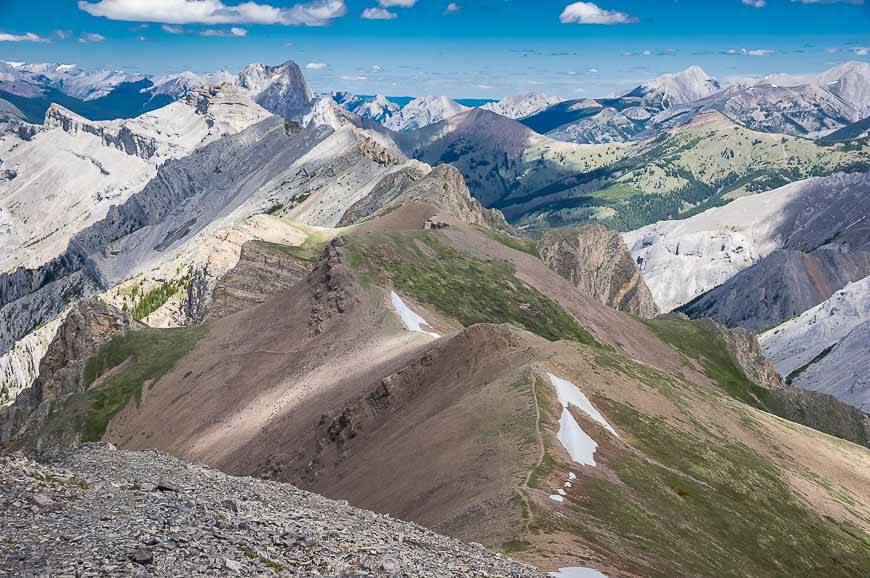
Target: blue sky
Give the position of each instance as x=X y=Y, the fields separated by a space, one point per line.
x=483 y=48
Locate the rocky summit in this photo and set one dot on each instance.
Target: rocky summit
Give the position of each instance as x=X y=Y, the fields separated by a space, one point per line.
x=98 y=511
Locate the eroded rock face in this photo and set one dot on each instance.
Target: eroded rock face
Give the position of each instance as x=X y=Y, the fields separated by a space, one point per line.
x=596 y=260
x=88 y=326
x=263 y=270
x=747 y=351
x=444 y=187
x=120 y=137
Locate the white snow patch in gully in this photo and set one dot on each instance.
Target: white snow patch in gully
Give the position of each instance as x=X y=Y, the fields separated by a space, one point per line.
x=557 y=498
x=577 y=572
x=580 y=446
x=410 y=320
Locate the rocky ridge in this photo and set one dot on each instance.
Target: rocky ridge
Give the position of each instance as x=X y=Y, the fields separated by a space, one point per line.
x=102 y=511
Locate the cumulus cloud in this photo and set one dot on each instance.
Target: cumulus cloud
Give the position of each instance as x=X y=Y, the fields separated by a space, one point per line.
x=397 y=3
x=315 y=13
x=452 y=8
x=172 y=29
x=63 y=34
x=861 y=51
x=589 y=13
x=91 y=37
x=378 y=14
x=376 y=68
x=27 y=37
x=315 y=66
x=755 y=3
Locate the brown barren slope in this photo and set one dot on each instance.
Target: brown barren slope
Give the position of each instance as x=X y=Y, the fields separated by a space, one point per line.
x=322 y=386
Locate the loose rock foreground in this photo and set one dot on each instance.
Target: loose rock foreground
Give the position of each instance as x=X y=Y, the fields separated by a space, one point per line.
x=97 y=511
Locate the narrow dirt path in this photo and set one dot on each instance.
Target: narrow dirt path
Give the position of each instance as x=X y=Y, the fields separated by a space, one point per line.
x=541 y=452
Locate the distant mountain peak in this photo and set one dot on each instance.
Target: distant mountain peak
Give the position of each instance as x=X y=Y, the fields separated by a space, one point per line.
x=522 y=105
x=282 y=89
x=686 y=86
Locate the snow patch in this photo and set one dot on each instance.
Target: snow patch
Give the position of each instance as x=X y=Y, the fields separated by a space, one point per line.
x=577 y=572
x=557 y=498
x=410 y=320
x=580 y=446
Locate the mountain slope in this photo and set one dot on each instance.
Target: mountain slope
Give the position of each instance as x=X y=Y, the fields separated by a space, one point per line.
x=379 y=379
x=89 y=166
x=539 y=182
x=807 y=110
x=241 y=526
x=681 y=259
x=802 y=348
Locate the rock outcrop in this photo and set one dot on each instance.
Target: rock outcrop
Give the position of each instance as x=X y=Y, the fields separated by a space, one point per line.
x=88 y=326
x=444 y=188
x=263 y=270
x=596 y=260
x=744 y=346
x=101 y=511
x=120 y=137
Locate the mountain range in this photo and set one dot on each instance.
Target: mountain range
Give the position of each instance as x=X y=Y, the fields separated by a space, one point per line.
x=633 y=354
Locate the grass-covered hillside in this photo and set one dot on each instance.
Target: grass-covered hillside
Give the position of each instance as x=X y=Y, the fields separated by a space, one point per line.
x=539 y=182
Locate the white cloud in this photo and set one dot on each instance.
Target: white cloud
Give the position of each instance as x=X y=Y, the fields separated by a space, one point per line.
x=748 y=52
x=589 y=13
x=452 y=8
x=647 y=52
x=63 y=34
x=90 y=38
x=397 y=3
x=28 y=37
x=315 y=66
x=315 y=13
x=755 y=3
x=233 y=31
x=378 y=14
x=484 y=86
x=353 y=77
x=861 y=51
x=376 y=68
x=172 y=29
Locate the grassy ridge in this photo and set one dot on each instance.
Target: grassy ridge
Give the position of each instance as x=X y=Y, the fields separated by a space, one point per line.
x=419 y=264
x=701 y=340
